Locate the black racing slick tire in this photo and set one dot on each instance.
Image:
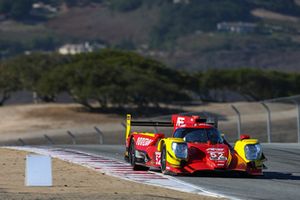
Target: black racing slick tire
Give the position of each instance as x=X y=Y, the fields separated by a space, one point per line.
x=132 y=158
x=132 y=155
x=163 y=160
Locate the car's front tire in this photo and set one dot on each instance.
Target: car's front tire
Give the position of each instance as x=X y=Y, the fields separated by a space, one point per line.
x=163 y=160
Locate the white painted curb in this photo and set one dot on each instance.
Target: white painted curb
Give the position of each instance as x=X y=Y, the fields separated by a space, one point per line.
x=119 y=169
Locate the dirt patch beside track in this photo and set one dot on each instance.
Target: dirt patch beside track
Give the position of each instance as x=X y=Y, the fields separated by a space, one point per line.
x=32 y=122
x=73 y=182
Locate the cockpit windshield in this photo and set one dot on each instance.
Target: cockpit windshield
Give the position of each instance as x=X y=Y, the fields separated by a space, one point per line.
x=201 y=135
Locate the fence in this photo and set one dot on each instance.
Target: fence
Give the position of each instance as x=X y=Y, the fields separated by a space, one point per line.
x=91 y=136
x=275 y=120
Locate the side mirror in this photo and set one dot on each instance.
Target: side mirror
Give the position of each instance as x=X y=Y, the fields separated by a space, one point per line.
x=223 y=136
x=244 y=137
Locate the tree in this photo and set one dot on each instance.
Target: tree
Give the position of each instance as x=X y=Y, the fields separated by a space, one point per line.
x=251 y=83
x=32 y=71
x=118 y=78
x=5 y=6
x=125 y=6
x=17 y=9
x=9 y=83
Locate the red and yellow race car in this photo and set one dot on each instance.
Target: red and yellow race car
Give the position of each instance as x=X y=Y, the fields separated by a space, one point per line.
x=196 y=145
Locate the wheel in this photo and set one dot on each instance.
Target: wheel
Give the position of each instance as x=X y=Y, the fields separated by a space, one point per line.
x=132 y=158
x=163 y=160
x=132 y=154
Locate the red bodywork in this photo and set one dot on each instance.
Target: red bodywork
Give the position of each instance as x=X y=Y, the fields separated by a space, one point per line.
x=201 y=156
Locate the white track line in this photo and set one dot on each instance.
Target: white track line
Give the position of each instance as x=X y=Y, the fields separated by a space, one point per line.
x=119 y=169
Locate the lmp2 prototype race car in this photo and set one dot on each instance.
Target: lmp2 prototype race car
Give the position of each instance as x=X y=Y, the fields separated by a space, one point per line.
x=196 y=146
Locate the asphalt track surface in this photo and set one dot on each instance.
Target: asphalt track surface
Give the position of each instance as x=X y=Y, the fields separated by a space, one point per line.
x=281 y=179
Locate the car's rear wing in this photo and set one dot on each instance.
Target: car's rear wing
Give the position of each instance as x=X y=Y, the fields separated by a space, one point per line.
x=177 y=121
x=130 y=122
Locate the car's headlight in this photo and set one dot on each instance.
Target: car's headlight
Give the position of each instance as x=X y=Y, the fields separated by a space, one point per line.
x=253 y=151
x=180 y=150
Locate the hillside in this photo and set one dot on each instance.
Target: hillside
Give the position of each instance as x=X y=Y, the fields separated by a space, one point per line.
x=98 y=22
x=193 y=34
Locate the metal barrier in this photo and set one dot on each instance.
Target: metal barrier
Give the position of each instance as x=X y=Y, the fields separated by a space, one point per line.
x=48 y=139
x=239 y=121
x=100 y=135
x=270 y=122
x=22 y=142
x=73 y=137
x=272 y=130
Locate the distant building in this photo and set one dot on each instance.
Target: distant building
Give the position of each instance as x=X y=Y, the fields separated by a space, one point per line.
x=237 y=27
x=43 y=6
x=79 y=48
x=41 y=9
x=181 y=1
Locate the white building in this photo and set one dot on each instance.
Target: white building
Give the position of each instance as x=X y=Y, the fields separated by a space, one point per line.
x=43 y=6
x=79 y=48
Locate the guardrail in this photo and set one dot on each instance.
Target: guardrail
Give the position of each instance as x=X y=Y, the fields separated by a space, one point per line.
x=268 y=128
x=70 y=136
x=73 y=137
x=270 y=115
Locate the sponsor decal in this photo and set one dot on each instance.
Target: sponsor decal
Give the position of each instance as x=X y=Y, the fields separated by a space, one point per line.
x=157 y=158
x=216 y=154
x=180 y=122
x=143 y=141
x=215 y=149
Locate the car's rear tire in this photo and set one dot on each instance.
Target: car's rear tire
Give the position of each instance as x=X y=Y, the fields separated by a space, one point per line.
x=132 y=158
